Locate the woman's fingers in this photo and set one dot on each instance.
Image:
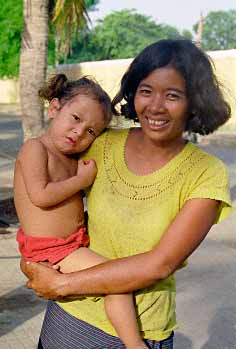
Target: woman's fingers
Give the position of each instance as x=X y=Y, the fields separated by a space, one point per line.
x=43 y=278
x=27 y=268
x=28 y=284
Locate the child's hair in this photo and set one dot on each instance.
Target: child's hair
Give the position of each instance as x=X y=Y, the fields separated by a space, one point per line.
x=207 y=108
x=65 y=90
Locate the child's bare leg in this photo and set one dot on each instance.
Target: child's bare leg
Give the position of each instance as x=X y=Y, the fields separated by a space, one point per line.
x=119 y=308
x=82 y=258
x=121 y=313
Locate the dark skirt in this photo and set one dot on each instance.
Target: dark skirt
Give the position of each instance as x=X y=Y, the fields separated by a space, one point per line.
x=61 y=330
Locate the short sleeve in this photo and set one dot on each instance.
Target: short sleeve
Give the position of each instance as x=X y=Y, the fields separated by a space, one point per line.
x=213 y=183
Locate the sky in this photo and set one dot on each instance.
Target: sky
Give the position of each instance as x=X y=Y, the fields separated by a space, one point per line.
x=182 y=14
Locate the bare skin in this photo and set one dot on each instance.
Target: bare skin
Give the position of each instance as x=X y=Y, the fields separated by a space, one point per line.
x=66 y=180
x=48 y=177
x=48 y=182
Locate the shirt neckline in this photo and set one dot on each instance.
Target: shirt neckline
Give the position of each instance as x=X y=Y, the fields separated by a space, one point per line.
x=167 y=168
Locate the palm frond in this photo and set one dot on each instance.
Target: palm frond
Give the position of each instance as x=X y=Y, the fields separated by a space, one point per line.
x=69 y=16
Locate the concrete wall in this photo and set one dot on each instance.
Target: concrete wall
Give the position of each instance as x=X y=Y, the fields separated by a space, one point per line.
x=225 y=65
x=108 y=74
x=9 y=91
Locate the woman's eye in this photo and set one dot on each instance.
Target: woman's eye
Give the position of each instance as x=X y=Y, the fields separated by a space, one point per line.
x=173 y=96
x=91 y=132
x=145 y=92
x=76 y=117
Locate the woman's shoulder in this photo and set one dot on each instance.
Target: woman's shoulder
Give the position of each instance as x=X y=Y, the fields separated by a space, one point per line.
x=112 y=132
x=204 y=158
x=111 y=137
x=207 y=171
x=117 y=131
x=108 y=136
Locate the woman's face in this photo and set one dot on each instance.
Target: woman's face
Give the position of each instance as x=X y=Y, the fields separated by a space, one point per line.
x=161 y=105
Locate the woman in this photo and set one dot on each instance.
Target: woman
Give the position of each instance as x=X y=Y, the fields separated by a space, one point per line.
x=154 y=200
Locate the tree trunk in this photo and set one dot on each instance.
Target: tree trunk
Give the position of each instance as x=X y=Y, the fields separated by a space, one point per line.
x=33 y=65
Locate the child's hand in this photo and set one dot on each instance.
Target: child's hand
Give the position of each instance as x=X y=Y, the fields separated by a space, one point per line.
x=86 y=171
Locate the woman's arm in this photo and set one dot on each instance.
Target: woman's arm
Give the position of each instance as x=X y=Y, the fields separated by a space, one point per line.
x=124 y=275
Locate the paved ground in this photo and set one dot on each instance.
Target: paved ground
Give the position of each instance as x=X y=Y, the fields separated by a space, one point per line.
x=206 y=304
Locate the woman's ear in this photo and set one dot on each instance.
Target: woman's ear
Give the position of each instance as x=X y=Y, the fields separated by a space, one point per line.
x=53 y=108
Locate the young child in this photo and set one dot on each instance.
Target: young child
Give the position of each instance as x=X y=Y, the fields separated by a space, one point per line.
x=48 y=181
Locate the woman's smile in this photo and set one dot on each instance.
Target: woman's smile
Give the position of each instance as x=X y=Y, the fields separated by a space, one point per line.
x=157 y=124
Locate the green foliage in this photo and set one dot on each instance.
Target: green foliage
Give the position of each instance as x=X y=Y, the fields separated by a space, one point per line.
x=91 y=4
x=11 y=15
x=10 y=39
x=219 y=30
x=121 y=34
x=69 y=19
x=187 y=34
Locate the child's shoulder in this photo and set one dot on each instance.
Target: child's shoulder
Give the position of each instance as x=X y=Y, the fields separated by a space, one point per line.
x=32 y=146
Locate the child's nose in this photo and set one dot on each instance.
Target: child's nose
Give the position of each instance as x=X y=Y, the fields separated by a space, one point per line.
x=79 y=130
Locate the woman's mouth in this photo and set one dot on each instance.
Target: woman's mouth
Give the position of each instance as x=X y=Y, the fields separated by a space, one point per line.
x=157 y=124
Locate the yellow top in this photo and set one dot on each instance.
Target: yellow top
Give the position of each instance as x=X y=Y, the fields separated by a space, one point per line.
x=128 y=214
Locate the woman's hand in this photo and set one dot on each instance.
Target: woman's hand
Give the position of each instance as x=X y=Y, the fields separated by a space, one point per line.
x=44 y=279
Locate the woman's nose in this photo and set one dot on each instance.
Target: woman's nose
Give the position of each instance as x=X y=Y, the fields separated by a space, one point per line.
x=157 y=104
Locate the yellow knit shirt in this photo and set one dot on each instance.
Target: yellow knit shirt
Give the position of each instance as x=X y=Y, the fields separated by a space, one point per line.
x=128 y=214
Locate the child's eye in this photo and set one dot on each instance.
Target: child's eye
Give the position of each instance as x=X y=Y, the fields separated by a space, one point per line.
x=91 y=132
x=76 y=117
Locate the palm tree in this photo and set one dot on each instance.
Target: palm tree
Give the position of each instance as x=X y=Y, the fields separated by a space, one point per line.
x=68 y=15
x=33 y=64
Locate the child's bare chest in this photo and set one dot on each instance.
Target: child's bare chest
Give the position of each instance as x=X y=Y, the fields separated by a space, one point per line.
x=61 y=168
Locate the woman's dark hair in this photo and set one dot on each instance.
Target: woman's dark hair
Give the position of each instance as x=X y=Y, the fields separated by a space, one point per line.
x=207 y=107
x=65 y=90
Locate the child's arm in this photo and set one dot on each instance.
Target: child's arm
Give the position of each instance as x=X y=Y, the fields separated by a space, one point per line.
x=33 y=159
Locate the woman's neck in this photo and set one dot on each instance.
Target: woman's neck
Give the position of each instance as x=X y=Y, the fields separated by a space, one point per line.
x=144 y=155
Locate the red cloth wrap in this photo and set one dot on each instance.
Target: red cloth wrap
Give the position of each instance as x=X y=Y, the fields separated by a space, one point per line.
x=41 y=249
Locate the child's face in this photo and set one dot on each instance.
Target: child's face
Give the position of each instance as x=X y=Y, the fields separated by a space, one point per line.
x=76 y=124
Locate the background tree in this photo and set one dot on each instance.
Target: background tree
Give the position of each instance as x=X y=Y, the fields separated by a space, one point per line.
x=91 y=5
x=33 y=58
x=121 y=34
x=33 y=64
x=11 y=19
x=10 y=38
x=219 y=30
x=69 y=17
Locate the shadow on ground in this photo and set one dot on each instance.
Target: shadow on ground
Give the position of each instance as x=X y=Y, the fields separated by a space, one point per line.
x=17 y=307
x=182 y=342
x=226 y=340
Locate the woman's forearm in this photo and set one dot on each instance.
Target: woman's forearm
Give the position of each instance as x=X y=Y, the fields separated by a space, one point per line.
x=134 y=272
x=115 y=276
x=142 y=270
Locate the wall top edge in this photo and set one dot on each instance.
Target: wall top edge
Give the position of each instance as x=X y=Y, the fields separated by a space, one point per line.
x=214 y=54
x=222 y=53
x=98 y=63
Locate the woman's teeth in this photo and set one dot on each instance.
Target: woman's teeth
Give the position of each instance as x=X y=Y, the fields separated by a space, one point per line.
x=157 y=122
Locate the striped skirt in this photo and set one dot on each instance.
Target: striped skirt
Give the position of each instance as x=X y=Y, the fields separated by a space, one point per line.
x=61 y=330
